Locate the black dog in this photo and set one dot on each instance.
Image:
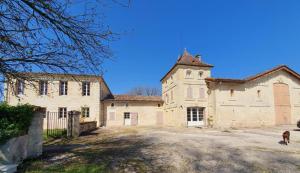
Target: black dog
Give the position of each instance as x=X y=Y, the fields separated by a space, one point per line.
x=286 y=137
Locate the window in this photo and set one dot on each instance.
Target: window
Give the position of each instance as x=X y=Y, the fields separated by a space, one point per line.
x=258 y=93
x=63 y=88
x=85 y=112
x=43 y=87
x=188 y=74
x=126 y=115
x=231 y=92
x=200 y=74
x=189 y=114
x=126 y=105
x=189 y=92
x=20 y=87
x=62 y=112
x=112 y=116
x=158 y=105
x=112 y=105
x=86 y=88
x=201 y=93
x=195 y=114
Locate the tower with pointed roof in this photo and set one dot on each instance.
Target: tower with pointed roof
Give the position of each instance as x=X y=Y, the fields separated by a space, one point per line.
x=184 y=91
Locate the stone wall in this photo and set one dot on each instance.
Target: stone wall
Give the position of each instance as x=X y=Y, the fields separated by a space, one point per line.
x=19 y=148
x=87 y=126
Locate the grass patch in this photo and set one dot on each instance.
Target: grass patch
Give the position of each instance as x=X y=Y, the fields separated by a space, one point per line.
x=38 y=167
x=54 y=134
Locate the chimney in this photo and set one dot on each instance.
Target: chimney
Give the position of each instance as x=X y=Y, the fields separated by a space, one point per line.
x=198 y=57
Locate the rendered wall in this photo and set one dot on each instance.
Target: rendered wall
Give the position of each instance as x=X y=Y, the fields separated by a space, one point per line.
x=147 y=112
x=246 y=109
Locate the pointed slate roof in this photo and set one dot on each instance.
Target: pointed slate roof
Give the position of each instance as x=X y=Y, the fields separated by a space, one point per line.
x=189 y=60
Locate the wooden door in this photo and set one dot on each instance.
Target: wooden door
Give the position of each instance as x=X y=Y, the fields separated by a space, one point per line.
x=134 y=118
x=282 y=104
x=159 y=118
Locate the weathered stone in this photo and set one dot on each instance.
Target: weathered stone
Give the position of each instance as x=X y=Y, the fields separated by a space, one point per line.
x=19 y=148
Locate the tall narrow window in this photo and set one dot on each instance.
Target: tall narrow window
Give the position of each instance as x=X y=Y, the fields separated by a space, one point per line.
x=231 y=92
x=188 y=114
x=201 y=93
x=62 y=112
x=63 y=88
x=189 y=92
x=258 y=93
x=20 y=87
x=86 y=88
x=43 y=87
x=200 y=74
x=85 y=112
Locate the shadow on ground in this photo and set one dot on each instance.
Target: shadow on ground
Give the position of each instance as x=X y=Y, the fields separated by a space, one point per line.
x=131 y=152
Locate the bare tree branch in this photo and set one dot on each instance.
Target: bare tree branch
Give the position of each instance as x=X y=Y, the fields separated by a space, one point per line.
x=145 y=91
x=47 y=36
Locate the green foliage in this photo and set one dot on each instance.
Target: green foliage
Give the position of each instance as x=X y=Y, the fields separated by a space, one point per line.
x=14 y=120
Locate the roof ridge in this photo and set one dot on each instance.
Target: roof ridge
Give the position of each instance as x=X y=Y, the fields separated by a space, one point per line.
x=258 y=75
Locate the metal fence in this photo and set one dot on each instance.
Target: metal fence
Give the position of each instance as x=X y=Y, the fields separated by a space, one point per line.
x=57 y=125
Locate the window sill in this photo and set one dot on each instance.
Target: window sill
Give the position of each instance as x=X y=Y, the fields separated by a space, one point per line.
x=232 y=100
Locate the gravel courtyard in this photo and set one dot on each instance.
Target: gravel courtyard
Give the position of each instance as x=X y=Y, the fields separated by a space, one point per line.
x=172 y=150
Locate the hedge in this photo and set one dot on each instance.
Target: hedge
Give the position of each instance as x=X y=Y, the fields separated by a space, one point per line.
x=14 y=120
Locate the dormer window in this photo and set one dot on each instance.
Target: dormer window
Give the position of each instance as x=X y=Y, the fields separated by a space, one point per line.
x=200 y=74
x=188 y=74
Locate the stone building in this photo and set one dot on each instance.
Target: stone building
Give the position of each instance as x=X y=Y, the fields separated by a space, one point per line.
x=190 y=97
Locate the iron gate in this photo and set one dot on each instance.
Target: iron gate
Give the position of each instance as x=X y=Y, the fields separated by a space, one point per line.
x=58 y=126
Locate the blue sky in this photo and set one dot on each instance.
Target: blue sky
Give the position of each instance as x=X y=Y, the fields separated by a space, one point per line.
x=239 y=37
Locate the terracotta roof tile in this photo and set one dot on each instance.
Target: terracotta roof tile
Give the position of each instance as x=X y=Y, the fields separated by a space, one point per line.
x=189 y=60
x=254 y=77
x=135 y=98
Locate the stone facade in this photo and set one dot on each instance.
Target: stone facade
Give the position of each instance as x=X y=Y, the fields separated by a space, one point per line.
x=190 y=97
x=52 y=101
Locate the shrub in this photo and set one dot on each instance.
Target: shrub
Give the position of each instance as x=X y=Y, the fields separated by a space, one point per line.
x=298 y=124
x=14 y=120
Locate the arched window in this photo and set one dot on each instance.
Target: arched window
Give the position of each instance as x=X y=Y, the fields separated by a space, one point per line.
x=200 y=74
x=258 y=93
x=112 y=105
x=188 y=74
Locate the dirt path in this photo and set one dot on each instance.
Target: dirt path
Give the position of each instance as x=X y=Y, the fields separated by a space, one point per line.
x=175 y=150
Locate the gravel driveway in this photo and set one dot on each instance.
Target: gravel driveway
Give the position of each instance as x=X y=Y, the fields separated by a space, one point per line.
x=174 y=150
